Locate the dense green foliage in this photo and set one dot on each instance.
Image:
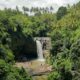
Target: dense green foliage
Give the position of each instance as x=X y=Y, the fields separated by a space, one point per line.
x=61 y=12
x=12 y=37
x=65 y=54
x=8 y=72
x=64 y=29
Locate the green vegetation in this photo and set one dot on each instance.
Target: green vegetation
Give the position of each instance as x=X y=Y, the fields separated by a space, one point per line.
x=65 y=54
x=8 y=72
x=63 y=27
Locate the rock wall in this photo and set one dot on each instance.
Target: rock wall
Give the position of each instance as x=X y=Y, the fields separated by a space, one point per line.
x=46 y=42
x=31 y=50
x=26 y=51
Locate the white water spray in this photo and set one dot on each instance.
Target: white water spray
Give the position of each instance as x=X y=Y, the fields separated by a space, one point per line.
x=39 y=51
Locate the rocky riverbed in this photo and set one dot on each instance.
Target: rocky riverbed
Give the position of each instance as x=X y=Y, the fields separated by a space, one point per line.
x=38 y=69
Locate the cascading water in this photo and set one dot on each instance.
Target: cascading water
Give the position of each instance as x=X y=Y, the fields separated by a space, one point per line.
x=39 y=51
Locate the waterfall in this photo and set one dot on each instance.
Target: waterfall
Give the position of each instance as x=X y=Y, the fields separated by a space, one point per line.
x=39 y=50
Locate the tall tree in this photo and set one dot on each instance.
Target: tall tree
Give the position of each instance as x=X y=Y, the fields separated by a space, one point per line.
x=61 y=12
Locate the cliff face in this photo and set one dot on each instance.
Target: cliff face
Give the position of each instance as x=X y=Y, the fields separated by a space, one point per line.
x=45 y=41
x=30 y=49
x=25 y=49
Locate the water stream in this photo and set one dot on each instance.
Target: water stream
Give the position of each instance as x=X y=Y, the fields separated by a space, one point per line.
x=39 y=51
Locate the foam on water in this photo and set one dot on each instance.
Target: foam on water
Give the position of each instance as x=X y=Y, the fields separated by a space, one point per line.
x=39 y=51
